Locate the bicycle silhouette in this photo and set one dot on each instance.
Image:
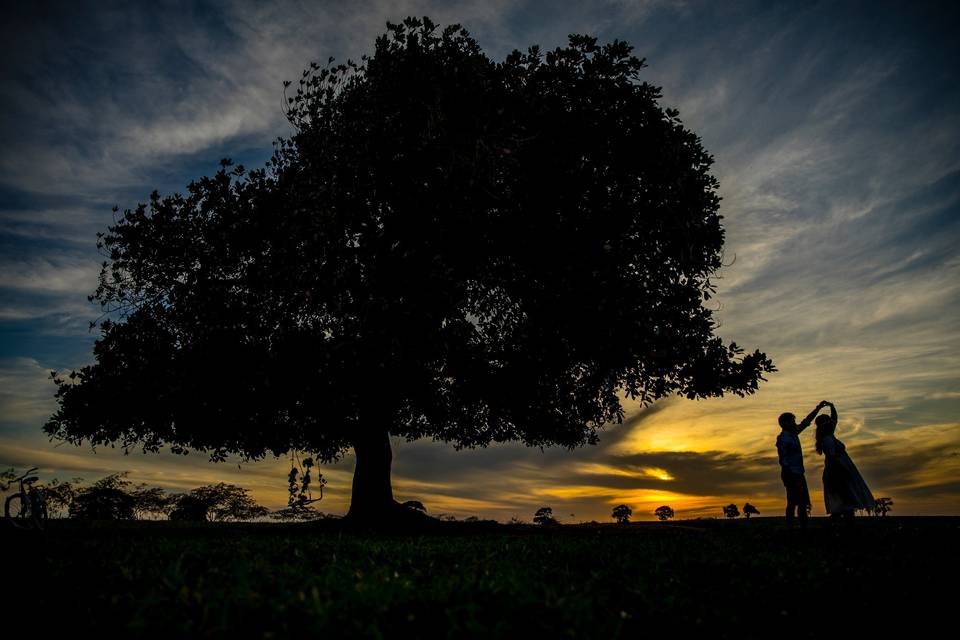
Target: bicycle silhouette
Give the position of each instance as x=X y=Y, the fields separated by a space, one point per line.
x=26 y=509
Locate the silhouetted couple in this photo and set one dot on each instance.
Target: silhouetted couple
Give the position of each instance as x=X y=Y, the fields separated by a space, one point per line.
x=844 y=490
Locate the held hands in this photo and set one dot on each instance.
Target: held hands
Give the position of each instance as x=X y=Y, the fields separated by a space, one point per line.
x=824 y=403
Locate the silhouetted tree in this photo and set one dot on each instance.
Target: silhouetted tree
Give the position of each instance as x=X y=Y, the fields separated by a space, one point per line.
x=663 y=513
x=544 y=516
x=749 y=509
x=882 y=506
x=105 y=499
x=59 y=495
x=731 y=511
x=219 y=502
x=622 y=513
x=187 y=507
x=446 y=247
x=150 y=501
x=108 y=498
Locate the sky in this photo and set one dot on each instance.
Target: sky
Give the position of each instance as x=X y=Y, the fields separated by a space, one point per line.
x=835 y=128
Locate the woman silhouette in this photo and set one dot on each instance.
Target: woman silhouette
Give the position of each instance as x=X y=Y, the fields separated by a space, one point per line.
x=844 y=490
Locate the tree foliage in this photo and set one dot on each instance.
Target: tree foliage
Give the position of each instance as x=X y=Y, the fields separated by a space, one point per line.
x=60 y=494
x=115 y=497
x=731 y=511
x=220 y=502
x=106 y=499
x=494 y=251
x=882 y=506
x=663 y=513
x=150 y=501
x=749 y=509
x=187 y=507
x=544 y=516
x=622 y=513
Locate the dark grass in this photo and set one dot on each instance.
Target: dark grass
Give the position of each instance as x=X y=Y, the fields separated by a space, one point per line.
x=729 y=579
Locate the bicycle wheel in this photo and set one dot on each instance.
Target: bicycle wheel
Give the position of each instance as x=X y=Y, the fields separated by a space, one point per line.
x=17 y=512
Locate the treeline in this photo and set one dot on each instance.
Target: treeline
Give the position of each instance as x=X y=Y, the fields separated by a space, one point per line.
x=622 y=512
x=116 y=497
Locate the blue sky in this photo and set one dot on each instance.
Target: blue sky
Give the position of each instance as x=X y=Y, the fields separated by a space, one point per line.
x=836 y=133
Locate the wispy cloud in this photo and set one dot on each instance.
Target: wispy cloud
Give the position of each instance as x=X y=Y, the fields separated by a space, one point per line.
x=46 y=275
x=26 y=393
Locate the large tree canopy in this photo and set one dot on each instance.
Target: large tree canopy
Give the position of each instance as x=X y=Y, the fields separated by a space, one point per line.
x=446 y=247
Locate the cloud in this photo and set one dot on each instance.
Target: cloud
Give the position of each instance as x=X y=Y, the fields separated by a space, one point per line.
x=49 y=275
x=49 y=291
x=26 y=393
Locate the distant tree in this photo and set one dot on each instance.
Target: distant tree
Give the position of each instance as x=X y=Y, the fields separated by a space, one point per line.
x=150 y=501
x=230 y=502
x=106 y=499
x=219 y=502
x=60 y=494
x=749 y=509
x=882 y=506
x=622 y=513
x=497 y=251
x=663 y=513
x=187 y=507
x=731 y=511
x=414 y=504
x=544 y=516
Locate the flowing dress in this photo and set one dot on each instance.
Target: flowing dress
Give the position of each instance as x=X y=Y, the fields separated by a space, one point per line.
x=843 y=487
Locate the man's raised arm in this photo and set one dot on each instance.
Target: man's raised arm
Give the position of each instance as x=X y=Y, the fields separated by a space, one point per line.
x=810 y=416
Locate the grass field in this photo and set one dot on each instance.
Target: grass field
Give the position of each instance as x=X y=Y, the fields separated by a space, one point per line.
x=728 y=579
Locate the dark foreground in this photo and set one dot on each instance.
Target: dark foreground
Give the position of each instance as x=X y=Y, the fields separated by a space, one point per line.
x=728 y=579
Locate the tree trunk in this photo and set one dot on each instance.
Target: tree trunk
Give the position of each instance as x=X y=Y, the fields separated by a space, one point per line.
x=372 y=498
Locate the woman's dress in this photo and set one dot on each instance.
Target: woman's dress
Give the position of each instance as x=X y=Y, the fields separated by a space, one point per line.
x=843 y=487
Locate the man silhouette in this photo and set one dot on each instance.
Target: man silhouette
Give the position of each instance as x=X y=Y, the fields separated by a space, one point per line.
x=791 y=464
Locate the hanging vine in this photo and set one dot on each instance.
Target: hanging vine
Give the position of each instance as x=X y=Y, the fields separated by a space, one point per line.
x=301 y=483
